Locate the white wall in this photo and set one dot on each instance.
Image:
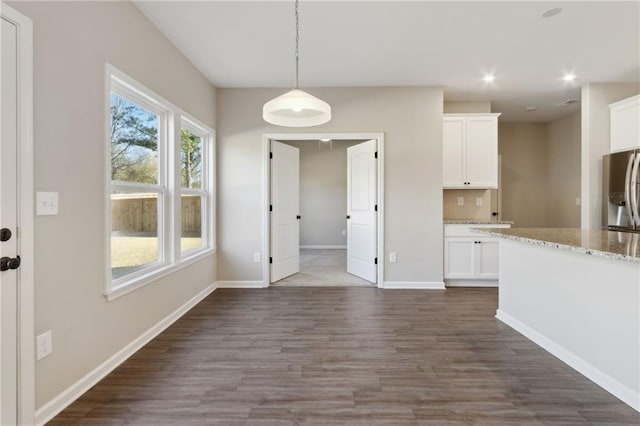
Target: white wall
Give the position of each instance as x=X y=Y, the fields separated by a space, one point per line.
x=411 y=119
x=323 y=192
x=73 y=40
x=563 y=171
x=596 y=98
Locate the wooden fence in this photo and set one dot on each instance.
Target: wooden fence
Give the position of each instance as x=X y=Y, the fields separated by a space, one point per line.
x=139 y=213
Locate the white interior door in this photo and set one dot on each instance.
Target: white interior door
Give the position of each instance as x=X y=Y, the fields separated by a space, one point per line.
x=285 y=210
x=361 y=210
x=8 y=220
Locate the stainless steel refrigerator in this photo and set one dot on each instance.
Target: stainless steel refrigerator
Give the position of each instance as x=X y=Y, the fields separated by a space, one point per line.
x=621 y=191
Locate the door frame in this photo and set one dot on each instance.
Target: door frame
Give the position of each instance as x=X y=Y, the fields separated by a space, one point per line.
x=266 y=192
x=26 y=323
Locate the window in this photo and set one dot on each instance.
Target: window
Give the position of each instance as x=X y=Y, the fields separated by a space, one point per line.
x=160 y=210
x=194 y=186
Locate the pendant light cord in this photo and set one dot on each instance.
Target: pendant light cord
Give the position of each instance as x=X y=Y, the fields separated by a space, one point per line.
x=297 y=42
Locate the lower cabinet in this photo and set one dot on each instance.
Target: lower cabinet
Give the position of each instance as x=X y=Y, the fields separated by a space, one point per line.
x=470 y=260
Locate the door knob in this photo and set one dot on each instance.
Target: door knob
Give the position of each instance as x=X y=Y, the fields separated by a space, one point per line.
x=5 y=234
x=298 y=217
x=7 y=263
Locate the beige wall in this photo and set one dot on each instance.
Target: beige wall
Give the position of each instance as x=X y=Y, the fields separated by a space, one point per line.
x=72 y=43
x=470 y=209
x=541 y=172
x=596 y=98
x=563 y=171
x=523 y=147
x=411 y=119
x=452 y=107
x=323 y=192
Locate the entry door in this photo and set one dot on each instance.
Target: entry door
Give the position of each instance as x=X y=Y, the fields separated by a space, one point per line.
x=8 y=220
x=361 y=210
x=285 y=210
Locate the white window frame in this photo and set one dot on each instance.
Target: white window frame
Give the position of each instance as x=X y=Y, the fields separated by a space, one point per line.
x=171 y=121
x=207 y=170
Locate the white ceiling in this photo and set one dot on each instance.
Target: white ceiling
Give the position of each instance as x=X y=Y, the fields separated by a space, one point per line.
x=392 y=43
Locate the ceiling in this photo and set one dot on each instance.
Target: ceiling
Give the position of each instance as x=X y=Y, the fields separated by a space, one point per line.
x=421 y=43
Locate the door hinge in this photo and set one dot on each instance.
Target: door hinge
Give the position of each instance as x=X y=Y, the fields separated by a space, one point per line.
x=375 y=260
x=376 y=208
x=271 y=155
x=270 y=259
x=270 y=207
x=375 y=155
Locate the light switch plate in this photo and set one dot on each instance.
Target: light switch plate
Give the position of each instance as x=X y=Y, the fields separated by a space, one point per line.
x=44 y=345
x=46 y=203
x=393 y=258
x=461 y=201
x=478 y=201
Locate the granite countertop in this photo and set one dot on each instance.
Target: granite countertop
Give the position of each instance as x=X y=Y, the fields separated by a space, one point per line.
x=476 y=222
x=597 y=242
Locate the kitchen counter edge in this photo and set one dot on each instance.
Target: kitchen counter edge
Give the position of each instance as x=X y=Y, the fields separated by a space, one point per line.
x=512 y=235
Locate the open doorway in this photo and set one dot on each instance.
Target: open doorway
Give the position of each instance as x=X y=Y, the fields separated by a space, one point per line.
x=324 y=204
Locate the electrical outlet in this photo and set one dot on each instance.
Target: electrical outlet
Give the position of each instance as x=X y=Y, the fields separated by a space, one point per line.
x=393 y=258
x=46 y=203
x=344 y=232
x=478 y=201
x=44 y=345
x=461 y=201
x=256 y=257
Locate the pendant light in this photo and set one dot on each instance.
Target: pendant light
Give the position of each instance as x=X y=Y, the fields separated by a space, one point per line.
x=296 y=108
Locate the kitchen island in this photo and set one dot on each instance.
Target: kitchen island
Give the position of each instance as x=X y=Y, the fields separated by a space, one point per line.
x=576 y=293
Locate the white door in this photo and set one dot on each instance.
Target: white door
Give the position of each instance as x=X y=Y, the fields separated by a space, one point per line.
x=482 y=152
x=453 y=146
x=459 y=258
x=285 y=210
x=487 y=259
x=8 y=220
x=361 y=210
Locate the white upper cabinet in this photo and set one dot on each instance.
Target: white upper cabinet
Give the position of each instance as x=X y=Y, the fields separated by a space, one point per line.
x=470 y=151
x=453 y=151
x=625 y=124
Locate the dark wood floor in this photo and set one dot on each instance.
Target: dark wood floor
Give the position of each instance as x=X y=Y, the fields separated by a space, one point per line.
x=345 y=356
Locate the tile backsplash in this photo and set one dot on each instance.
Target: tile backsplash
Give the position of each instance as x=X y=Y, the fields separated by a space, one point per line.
x=470 y=209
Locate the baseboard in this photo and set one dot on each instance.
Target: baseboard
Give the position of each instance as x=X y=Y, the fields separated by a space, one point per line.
x=471 y=283
x=321 y=247
x=608 y=383
x=240 y=284
x=414 y=285
x=73 y=392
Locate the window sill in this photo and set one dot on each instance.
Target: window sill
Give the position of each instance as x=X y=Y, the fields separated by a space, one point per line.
x=155 y=275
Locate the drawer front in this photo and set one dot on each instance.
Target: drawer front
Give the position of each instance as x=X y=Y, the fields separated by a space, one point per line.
x=460 y=230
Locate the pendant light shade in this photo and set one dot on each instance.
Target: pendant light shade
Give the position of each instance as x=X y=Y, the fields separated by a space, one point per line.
x=296 y=108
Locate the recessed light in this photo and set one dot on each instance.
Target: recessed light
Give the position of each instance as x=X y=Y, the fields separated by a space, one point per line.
x=569 y=77
x=531 y=108
x=489 y=78
x=551 y=12
x=297 y=109
x=325 y=140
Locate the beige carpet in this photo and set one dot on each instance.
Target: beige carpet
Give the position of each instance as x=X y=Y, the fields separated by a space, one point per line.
x=319 y=268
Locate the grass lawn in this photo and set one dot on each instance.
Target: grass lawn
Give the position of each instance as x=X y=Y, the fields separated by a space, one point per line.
x=130 y=251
